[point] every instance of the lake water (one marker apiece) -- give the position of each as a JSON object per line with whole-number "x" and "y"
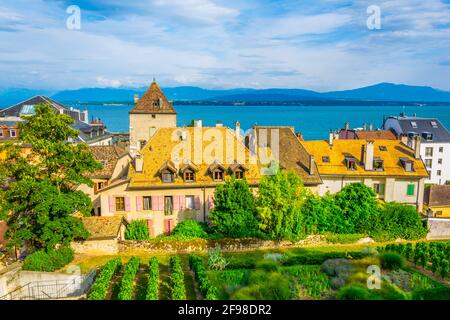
{"x": 314, "y": 122}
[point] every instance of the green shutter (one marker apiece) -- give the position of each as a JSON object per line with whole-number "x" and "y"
{"x": 410, "y": 191}
{"x": 381, "y": 191}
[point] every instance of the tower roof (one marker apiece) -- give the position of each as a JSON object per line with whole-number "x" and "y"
{"x": 153, "y": 101}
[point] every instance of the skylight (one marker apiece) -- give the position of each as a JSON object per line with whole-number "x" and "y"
{"x": 414, "y": 124}
{"x": 434, "y": 124}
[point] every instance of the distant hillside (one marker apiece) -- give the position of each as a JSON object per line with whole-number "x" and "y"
{"x": 379, "y": 92}
{"x": 392, "y": 92}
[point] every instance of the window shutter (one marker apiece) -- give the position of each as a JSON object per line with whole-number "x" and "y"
{"x": 381, "y": 189}
{"x": 127, "y": 204}
{"x": 167, "y": 226}
{"x": 411, "y": 189}
{"x": 160, "y": 203}
{"x": 139, "y": 201}
{"x": 197, "y": 203}
{"x": 150, "y": 227}
{"x": 211, "y": 202}
{"x": 176, "y": 203}
{"x": 111, "y": 204}
{"x": 155, "y": 206}
{"x": 182, "y": 202}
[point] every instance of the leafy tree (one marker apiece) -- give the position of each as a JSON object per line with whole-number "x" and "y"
{"x": 398, "y": 220}
{"x": 279, "y": 205}
{"x": 39, "y": 176}
{"x": 234, "y": 212}
{"x": 360, "y": 207}
{"x": 137, "y": 230}
{"x": 322, "y": 214}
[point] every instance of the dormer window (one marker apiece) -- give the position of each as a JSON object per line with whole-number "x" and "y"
{"x": 167, "y": 177}
{"x": 378, "y": 164}
{"x": 218, "y": 175}
{"x": 188, "y": 171}
{"x": 383, "y": 148}
{"x": 434, "y": 124}
{"x": 407, "y": 164}
{"x": 238, "y": 170}
{"x": 350, "y": 162}
{"x": 428, "y": 136}
{"x": 414, "y": 124}
{"x": 167, "y": 172}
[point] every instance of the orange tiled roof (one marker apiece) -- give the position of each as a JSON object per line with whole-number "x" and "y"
{"x": 336, "y": 155}
{"x": 158, "y": 152}
{"x": 153, "y": 101}
{"x": 376, "y": 135}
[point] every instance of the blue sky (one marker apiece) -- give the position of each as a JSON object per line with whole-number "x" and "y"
{"x": 321, "y": 45}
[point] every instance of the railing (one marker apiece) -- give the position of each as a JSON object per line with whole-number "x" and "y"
{"x": 52, "y": 289}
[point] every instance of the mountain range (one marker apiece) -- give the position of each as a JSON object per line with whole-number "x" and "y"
{"x": 377, "y": 92}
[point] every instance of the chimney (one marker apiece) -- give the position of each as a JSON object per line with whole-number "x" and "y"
{"x": 237, "y": 131}
{"x": 311, "y": 164}
{"x": 347, "y": 126}
{"x": 136, "y": 98}
{"x": 368, "y": 165}
{"x": 417, "y": 147}
{"x": 404, "y": 139}
{"x": 371, "y": 126}
{"x": 86, "y": 117}
{"x": 198, "y": 123}
{"x": 139, "y": 163}
{"x": 364, "y": 126}
{"x": 330, "y": 138}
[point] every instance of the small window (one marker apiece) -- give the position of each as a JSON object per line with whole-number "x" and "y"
{"x": 147, "y": 203}
{"x": 168, "y": 205}
{"x": 434, "y": 124}
{"x": 218, "y": 175}
{"x": 239, "y": 174}
{"x": 100, "y": 185}
{"x": 429, "y": 151}
{"x": 383, "y": 148}
{"x": 441, "y": 149}
{"x": 326, "y": 159}
{"x": 104, "y": 163}
{"x": 438, "y": 173}
{"x": 154, "y": 116}
{"x": 189, "y": 176}
{"x": 439, "y": 161}
{"x": 190, "y": 204}
{"x": 378, "y": 165}
{"x": 428, "y": 163}
{"x": 12, "y": 133}
{"x": 427, "y": 136}
{"x": 379, "y": 188}
{"x": 1, "y": 133}
{"x": 167, "y": 177}
{"x": 410, "y": 190}
{"x": 120, "y": 204}
{"x": 414, "y": 124}
{"x": 350, "y": 163}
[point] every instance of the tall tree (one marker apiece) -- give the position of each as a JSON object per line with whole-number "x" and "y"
{"x": 39, "y": 177}
{"x": 234, "y": 213}
{"x": 279, "y": 205}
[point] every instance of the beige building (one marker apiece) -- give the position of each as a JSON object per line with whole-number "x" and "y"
{"x": 175, "y": 175}
{"x": 393, "y": 170}
{"x": 151, "y": 112}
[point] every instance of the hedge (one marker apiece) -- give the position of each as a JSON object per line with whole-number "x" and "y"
{"x": 153, "y": 278}
{"x": 178, "y": 290}
{"x": 100, "y": 287}
{"x": 208, "y": 290}
{"x": 127, "y": 282}
{"x": 48, "y": 261}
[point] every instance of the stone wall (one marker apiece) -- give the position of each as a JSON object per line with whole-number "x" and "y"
{"x": 439, "y": 228}
{"x": 96, "y": 247}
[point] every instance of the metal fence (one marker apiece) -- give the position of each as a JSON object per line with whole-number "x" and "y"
{"x": 52, "y": 289}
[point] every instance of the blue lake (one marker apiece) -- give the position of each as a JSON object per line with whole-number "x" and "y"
{"x": 313, "y": 121}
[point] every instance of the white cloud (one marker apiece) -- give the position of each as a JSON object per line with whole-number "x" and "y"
{"x": 104, "y": 82}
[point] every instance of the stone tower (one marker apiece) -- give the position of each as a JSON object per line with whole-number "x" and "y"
{"x": 151, "y": 112}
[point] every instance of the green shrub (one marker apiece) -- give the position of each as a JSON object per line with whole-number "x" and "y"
{"x": 48, "y": 261}
{"x": 444, "y": 268}
{"x": 353, "y": 292}
{"x": 215, "y": 259}
{"x": 442, "y": 293}
{"x": 127, "y": 282}
{"x": 100, "y": 287}
{"x": 206, "y": 288}
{"x": 268, "y": 266}
{"x": 189, "y": 229}
{"x": 435, "y": 263}
{"x": 137, "y": 230}
{"x": 264, "y": 286}
{"x": 153, "y": 280}
{"x": 391, "y": 261}
{"x": 178, "y": 290}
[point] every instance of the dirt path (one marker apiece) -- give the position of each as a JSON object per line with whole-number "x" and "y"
{"x": 164, "y": 282}
{"x": 114, "y": 285}
{"x": 192, "y": 291}
{"x": 429, "y": 274}
{"x": 140, "y": 287}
